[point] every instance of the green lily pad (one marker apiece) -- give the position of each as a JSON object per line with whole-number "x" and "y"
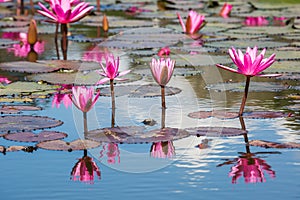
{"x": 215, "y": 131}
{"x": 277, "y": 145}
{"x": 14, "y": 109}
{"x": 60, "y": 145}
{"x": 45, "y": 66}
{"x": 33, "y": 137}
{"x": 7, "y": 42}
{"x": 254, "y": 87}
{"x": 20, "y": 123}
{"x": 135, "y": 134}
{"x": 284, "y": 67}
{"x": 26, "y": 89}
{"x": 243, "y": 44}
{"x": 78, "y": 78}
{"x": 139, "y": 91}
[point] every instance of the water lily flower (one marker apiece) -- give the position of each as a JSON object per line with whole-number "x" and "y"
{"x": 256, "y": 21}
{"x": 249, "y": 64}
{"x": 225, "y": 10}
{"x": 252, "y": 169}
{"x": 83, "y": 98}
{"x": 63, "y": 13}
{"x": 194, "y": 22}
{"x": 162, "y": 149}
{"x": 165, "y": 51}
{"x": 85, "y": 170}
{"x": 162, "y": 70}
{"x": 111, "y": 69}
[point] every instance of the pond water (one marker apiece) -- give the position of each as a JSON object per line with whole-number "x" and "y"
{"x": 188, "y": 166}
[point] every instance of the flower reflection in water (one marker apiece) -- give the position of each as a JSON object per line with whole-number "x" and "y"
{"x": 23, "y": 48}
{"x": 162, "y": 149}
{"x": 112, "y": 152}
{"x": 62, "y": 96}
{"x": 85, "y": 170}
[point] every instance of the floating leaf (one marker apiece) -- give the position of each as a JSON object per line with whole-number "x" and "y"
{"x": 32, "y": 137}
{"x": 78, "y": 78}
{"x": 20, "y": 123}
{"x": 284, "y": 67}
{"x": 5, "y": 24}
{"x": 254, "y": 86}
{"x": 27, "y": 88}
{"x": 215, "y": 131}
{"x": 268, "y": 144}
{"x": 135, "y": 134}
{"x": 216, "y": 113}
{"x": 264, "y": 114}
{"x": 6, "y": 42}
{"x": 44, "y": 66}
{"x": 60, "y": 145}
{"x": 243, "y": 44}
{"x": 14, "y": 109}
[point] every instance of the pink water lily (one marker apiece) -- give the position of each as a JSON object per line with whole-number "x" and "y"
{"x": 4, "y": 80}
{"x": 62, "y": 12}
{"x": 193, "y": 23}
{"x": 83, "y": 98}
{"x": 111, "y": 69}
{"x": 165, "y": 51}
{"x": 256, "y": 21}
{"x": 225, "y": 10}
{"x": 250, "y": 64}
{"x": 252, "y": 169}
{"x": 162, "y": 70}
{"x": 85, "y": 170}
{"x": 162, "y": 149}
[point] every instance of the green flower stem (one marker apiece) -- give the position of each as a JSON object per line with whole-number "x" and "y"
{"x": 64, "y": 40}
{"x": 113, "y": 103}
{"x": 245, "y": 96}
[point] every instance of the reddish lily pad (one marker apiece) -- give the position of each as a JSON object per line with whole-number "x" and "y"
{"x": 231, "y": 115}
{"x": 268, "y": 144}
{"x": 217, "y": 113}
{"x": 20, "y": 123}
{"x": 14, "y": 109}
{"x": 215, "y": 131}
{"x": 32, "y": 137}
{"x": 60, "y": 145}
{"x": 135, "y": 134}
{"x": 45, "y": 66}
{"x": 150, "y": 90}
{"x": 6, "y": 24}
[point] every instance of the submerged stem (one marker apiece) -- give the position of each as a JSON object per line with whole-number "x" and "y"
{"x": 245, "y": 95}
{"x": 113, "y": 103}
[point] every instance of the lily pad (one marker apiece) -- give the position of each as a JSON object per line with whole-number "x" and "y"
{"x": 243, "y": 44}
{"x": 277, "y": 145}
{"x": 26, "y": 88}
{"x": 18, "y": 123}
{"x": 78, "y": 78}
{"x": 44, "y": 66}
{"x": 14, "y": 109}
{"x": 6, "y": 24}
{"x": 254, "y": 87}
{"x": 60, "y": 145}
{"x": 135, "y": 134}
{"x": 150, "y": 90}
{"x": 216, "y": 113}
{"x": 215, "y": 131}
{"x": 284, "y": 67}
{"x": 6, "y": 42}
{"x": 32, "y": 137}
{"x": 264, "y": 114}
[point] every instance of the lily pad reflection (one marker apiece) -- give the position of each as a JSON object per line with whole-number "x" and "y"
{"x": 60, "y": 145}
{"x": 215, "y": 131}
{"x": 32, "y": 137}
